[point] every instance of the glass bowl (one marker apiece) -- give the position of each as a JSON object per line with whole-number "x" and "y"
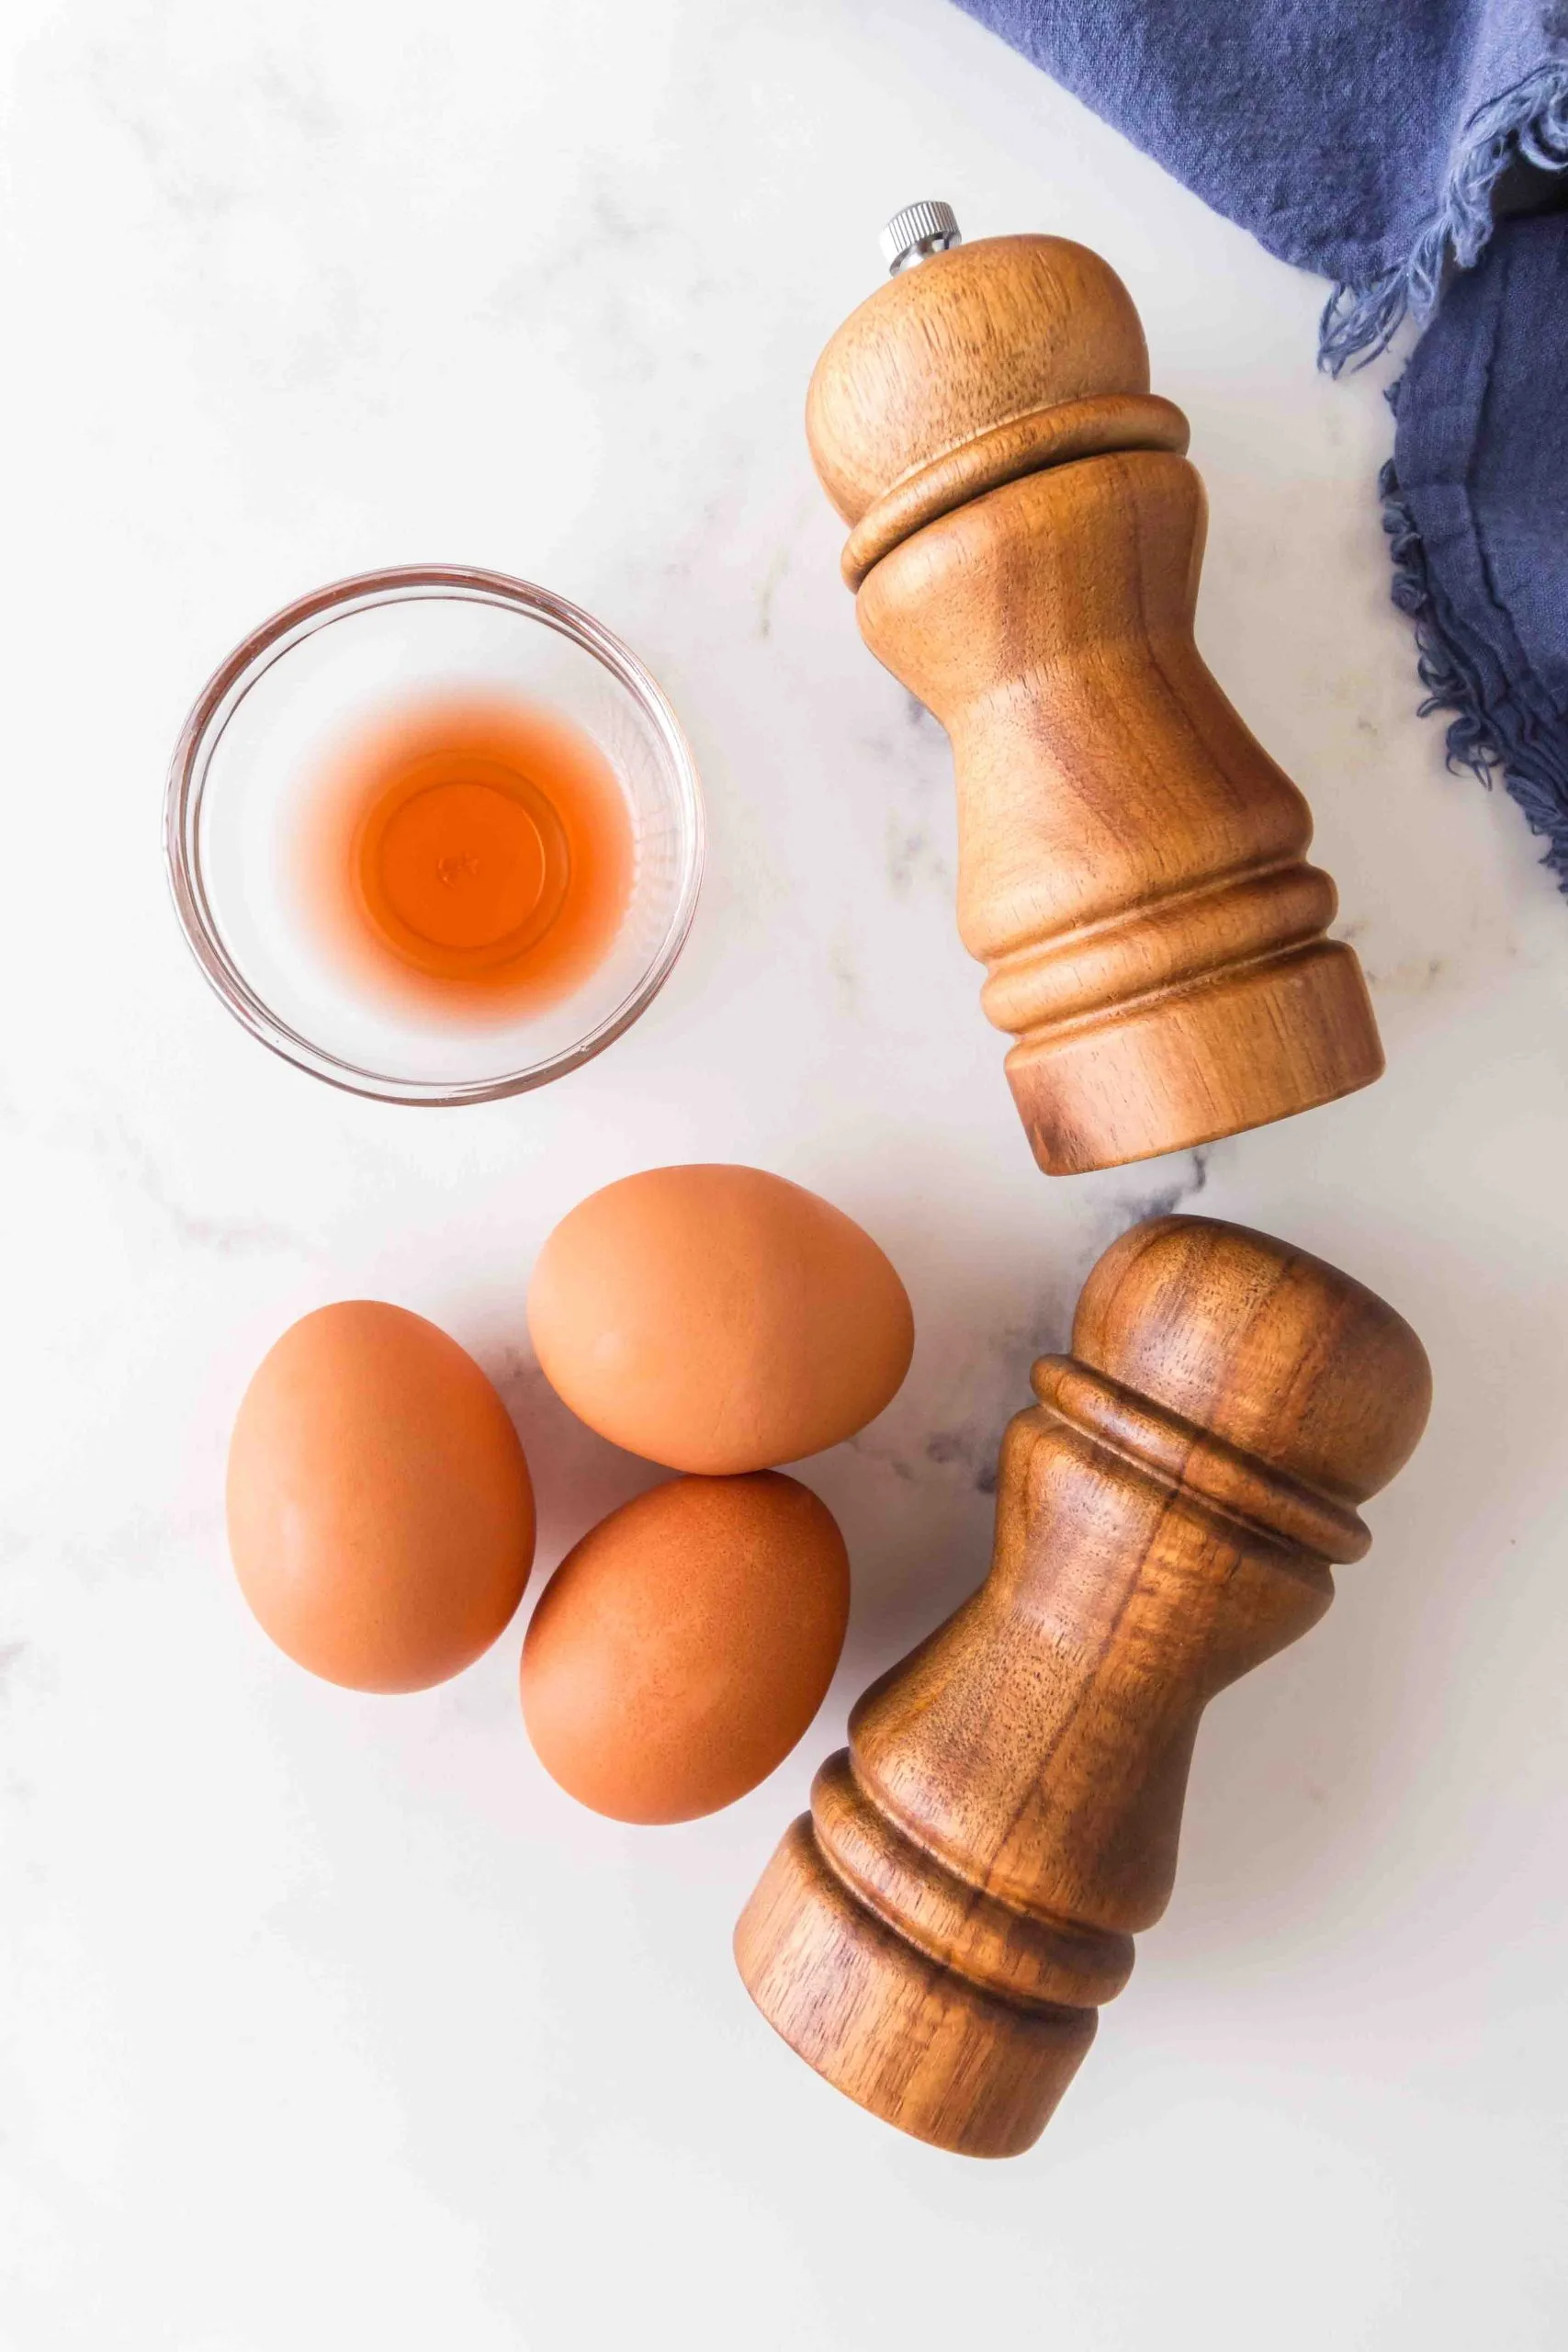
{"x": 238, "y": 797}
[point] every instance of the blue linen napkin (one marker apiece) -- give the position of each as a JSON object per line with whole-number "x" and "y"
{"x": 1393, "y": 145}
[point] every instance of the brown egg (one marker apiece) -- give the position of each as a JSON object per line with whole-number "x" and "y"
{"x": 718, "y": 1318}
{"x": 682, "y": 1648}
{"x": 380, "y": 1516}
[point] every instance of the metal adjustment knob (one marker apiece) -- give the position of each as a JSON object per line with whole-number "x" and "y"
{"x": 917, "y": 233}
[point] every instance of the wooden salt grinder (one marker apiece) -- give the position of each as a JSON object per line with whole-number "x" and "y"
{"x": 1026, "y": 542}
{"x": 936, "y": 1935}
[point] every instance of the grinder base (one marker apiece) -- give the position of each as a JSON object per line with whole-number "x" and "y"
{"x": 1251, "y": 1044}
{"x": 893, "y": 2030}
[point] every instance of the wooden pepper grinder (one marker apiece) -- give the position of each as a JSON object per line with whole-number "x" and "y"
{"x": 936, "y": 1935}
{"x": 1026, "y": 541}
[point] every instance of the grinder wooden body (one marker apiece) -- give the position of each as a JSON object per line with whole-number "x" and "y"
{"x": 936, "y": 1935}
{"x": 1026, "y": 548}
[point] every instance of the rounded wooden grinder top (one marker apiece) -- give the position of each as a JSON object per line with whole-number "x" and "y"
{"x": 1026, "y": 540}
{"x": 987, "y": 362}
{"x": 936, "y": 1935}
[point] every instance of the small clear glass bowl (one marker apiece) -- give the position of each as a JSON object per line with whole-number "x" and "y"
{"x": 238, "y": 790}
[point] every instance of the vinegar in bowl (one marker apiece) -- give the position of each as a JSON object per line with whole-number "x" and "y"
{"x": 469, "y": 854}
{"x": 434, "y": 835}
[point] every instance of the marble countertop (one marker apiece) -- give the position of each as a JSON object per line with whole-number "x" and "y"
{"x": 327, "y": 2021}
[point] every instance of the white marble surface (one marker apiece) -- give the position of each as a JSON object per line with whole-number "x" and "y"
{"x": 329, "y": 2023}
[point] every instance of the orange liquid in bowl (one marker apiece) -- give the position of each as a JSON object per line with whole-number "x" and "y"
{"x": 469, "y": 853}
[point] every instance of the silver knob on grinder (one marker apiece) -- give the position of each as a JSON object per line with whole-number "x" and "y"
{"x": 917, "y": 233}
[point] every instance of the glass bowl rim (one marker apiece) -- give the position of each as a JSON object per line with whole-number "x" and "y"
{"x": 250, "y": 661}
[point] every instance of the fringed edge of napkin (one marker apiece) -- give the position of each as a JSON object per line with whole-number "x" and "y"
{"x": 1527, "y": 123}
{"x": 1475, "y": 738}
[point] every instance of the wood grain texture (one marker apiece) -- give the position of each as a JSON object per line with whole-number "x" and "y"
{"x": 937, "y": 1934}
{"x": 1026, "y": 542}
{"x": 1024, "y": 445}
